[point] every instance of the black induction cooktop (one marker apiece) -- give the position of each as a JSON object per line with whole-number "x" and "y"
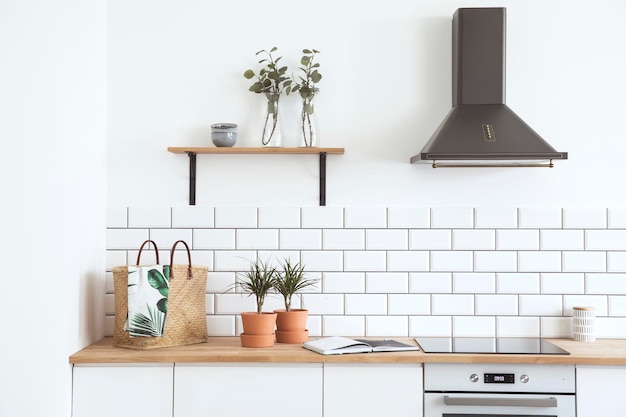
{"x": 504, "y": 345}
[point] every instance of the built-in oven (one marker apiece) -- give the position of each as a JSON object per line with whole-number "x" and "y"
{"x": 461, "y": 389}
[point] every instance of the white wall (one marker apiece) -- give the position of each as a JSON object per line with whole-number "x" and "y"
{"x": 52, "y": 183}
{"x": 176, "y": 67}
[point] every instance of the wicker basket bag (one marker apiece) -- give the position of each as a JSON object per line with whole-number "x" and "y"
{"x": 185, "y": 322}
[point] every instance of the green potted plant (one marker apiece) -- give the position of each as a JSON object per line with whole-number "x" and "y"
{"x": 306, "y": 86}
{"x": 258, "y": 326}
{"x": 290, "y": 322}
{"x": 272, "y": 82}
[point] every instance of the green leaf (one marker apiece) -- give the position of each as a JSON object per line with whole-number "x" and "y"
{"x": 248, "y": 74}
{"x": 305, "y": 60}
{"x": 306, "y": 51}
{"x": 162, "y": 305}
{"x": 274, "y": 49}
{"x": 164, "y": 291}
{"x": 156, "y": 279}
{"x": 316, "y": 76}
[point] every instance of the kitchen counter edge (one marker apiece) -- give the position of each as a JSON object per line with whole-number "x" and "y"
{"x": 229, "y": 350}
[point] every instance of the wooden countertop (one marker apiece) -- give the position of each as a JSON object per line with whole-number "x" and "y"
{"x": 229, "y": 349}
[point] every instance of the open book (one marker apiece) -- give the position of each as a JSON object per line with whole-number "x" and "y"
{"x": 336, "y": 345}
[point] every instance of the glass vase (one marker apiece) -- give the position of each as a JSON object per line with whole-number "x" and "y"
{"x": 272, "y": 136}
{"x": 308, "y": 130}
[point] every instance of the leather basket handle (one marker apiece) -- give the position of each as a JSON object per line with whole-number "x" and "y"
{"x": 141, "y": 248}
{"x": 189, "y": 272}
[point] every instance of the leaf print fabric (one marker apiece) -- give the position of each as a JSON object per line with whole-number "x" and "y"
{"x": 148, "y": 289}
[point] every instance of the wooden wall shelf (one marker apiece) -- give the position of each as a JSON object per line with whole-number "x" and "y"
{"x": 192, "y": 152}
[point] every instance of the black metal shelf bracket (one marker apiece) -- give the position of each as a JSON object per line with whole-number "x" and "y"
{"x": 192, "y": 178}
{"x": 322, "y": 178}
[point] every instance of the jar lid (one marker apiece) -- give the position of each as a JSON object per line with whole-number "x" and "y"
{"x": 584, "y": 308}
{"x": 224, "y": 126}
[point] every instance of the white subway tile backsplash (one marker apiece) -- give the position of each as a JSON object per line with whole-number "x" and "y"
{"x": 473, "y": 239}
{"x": 301, "y": 239}
{"x": 344, "y": 282}
{"x": 322, "y": 217}
{"x": 322, "y": 260}
{"x": 236, "y": 217}
{"x": 539, "y": 261}
{"x": 495, "y": 217}
{"x": 257, "y": 239}
{"x": 610, "y": 327}
{"x": 617, "y": 305}
{"x": 117, "y": 217}
{"x": 126, "y": 238}
{"x": 379, "y": 326}
{"x": 600, "y": 302}
{"x": 430, "y": 282}
{"x": 115, "y": 258}
{"x": 606, "y": 284}
{"x": 219, "y": 282}
{"x": 562, "y": 240}
{"x": 430, "y": 239}
{"x": 409, "y": 304}
{"x": 606, "y": 240}
{"x": 279, "y": 217}
{"x": 324, "y": 303}
{"x": 562, "y": 283}
{"x": 496, "y": 261}
{"x": 496, "y": 305}
{"x": 218, "y": 239}
{"x": 350, "y": 326}
{"x": 584, "y": 218}
{"x": 365, "y": 261}
{"x": 616, "y": 261}
{"x": 451, "y": 218}
{"x": 220, "y": 325}
{"x": 556, "y": 327}
{"x": 387, "y": 282}
{"x": 398, "y": 271}
{"x": 408, "y": 217}
{"x": 540, "y": 305}
{"x": 517, "y": 239}
{"x": 540, "y": 218}
{"x": 193, "y": 217}
{"x": 579, "y": 261}
{"x": 366, "y": 217}
{"x": 452, "y": 304}
{"x": 366, "y": 304}
{"x": 234, "y": 260}
{"x": 152, "y": 217}
{"x": 165, "y": 238}
{"x": 617, "y": 218}
{"x": 386, "y": 239}
{"x": 430, "y": 326}
{"x": 473, "y": 283}
{"x": 473, "y": 326}
{"x": 407, "y": 261}
{"x": 518, "y": 327}
{"x": 343, "y": 239}
{"x": 518, "y": 283}
{"x": 455, "y": 261}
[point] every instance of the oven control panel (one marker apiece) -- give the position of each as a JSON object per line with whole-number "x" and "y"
{"x": 493, "y": 377}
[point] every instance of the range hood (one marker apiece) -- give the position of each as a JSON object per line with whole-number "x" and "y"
{"x": 481, "y": 130}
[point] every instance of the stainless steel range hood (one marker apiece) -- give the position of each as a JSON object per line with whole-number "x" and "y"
{"x": 481, "y": 130}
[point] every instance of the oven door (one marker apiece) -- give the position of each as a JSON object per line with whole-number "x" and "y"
{"x": 498, "y": 405}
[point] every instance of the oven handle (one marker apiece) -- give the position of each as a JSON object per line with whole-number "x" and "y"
{"x": 501, "y": 402}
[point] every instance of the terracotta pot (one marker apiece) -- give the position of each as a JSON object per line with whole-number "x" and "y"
{"x": 299, "y": 336}
{"x": 257, "y": 340}
{"x": 255, "y": 323}
{"x": 292, "y": 320}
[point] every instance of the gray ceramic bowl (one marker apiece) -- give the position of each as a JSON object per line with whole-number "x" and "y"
{"x": 224, "y": 134}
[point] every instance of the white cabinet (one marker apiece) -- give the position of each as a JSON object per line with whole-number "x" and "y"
{"x": 122, "y": 391}
{"x": 373, "y": 390}
{"x": 600, "y": 391}
{"x": 248, "y": 389}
